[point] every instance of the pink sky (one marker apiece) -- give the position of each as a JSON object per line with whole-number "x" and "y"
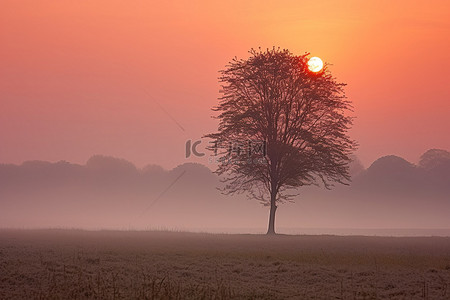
{"x": 85, "y": 77}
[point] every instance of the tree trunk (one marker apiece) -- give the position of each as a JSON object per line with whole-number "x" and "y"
{"x": 273, "y": 209}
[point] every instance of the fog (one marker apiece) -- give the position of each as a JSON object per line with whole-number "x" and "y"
{"x": 390, "y": 197}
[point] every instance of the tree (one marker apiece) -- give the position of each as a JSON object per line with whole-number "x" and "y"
{"x": 299, "y": 116}
{"x": 433, "y": 158}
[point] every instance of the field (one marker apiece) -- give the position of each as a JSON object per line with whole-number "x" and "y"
{"x": 75, "y": 264}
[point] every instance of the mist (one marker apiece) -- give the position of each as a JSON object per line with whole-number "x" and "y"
{"x": 389, "y": 197}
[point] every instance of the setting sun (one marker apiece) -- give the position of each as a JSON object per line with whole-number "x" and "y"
{"x": 315, "y": 64}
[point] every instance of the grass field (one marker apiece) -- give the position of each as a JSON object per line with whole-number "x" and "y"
{"x": 75, "y": 264}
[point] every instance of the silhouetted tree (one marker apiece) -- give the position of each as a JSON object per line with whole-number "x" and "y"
{"x": 299, "y": 117}
{"x": 433, "y": 158}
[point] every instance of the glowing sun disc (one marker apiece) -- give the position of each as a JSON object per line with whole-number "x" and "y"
{"x": 315, "y": 64}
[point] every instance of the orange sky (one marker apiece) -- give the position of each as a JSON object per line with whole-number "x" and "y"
{"x": 85, "y": 77}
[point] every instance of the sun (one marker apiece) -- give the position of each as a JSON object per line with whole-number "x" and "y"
{"x": 315, "y": 64}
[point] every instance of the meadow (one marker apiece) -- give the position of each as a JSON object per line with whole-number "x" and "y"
{"x": 77, "y": 264}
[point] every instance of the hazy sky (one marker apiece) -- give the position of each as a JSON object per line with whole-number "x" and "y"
{"x": 79, "y": 78}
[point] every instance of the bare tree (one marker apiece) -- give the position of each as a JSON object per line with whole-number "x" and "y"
{"x": 300, "y": 117}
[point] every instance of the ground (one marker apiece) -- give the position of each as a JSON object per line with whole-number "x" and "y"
{"x": 75, "y": 264}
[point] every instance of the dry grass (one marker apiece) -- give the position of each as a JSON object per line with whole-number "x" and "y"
{"x": 71, "y": 264}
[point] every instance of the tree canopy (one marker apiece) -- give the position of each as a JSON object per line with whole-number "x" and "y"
{"x": 300, "y": 118}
